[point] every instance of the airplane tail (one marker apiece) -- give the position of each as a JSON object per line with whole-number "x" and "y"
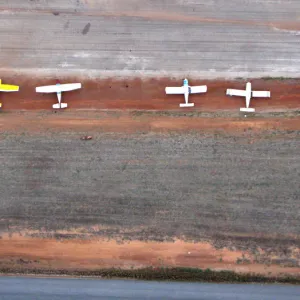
{"x": 62, "y": 105}
{"x": 245, "y": 109}
{"x": 186, "y": 104}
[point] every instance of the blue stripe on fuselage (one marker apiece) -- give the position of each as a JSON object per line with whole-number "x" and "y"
{"x": 58, "y": 92}
{"x": 186, "y": 84}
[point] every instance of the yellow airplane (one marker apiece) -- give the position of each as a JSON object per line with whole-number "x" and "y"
{"x": 8, "y": 88}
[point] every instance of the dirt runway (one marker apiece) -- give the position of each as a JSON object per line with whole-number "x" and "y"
{"x": 149, "y": 94}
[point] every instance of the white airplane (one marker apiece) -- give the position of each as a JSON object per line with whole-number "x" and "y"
{"x": 58, "y": 89}
{"x": 186, "y": 90}
{"x": 248, "y": 93}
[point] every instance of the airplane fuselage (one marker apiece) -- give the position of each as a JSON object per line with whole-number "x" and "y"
{"x": 59, "y": 96}
{"x": 248, "y": 93}
{"x": 187, "y": 90}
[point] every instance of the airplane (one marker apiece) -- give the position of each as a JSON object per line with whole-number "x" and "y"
{"x": 8, "y": 88}
{"x": 58, "y": 89}
{"x": 186, "y": 90}
{"x": 248, "y": 93}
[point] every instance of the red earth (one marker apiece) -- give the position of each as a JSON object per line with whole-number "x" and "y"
{"x": 22, "y": 253}
{"x": 93, "y": 122}
{"x": 149, "y": 94}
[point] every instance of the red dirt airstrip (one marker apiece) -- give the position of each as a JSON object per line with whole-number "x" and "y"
{"x": 149, "y": 94}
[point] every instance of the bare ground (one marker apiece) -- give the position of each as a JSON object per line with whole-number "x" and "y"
{"x": 149, "y": 94}
{"x": 156, "y": 185}
{"x": 23, "y": 253}
{"x": 201, "y": 188}
{"x": 137, "y": 122}
{"x": 161, "y": 185}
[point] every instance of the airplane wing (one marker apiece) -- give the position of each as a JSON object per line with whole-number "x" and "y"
{"x": 232, "y": 92}
{"x": 69, "y": 87}
{"x": 47, "y": 89}
{"x": 8, "y": 88}
{"x": 58, "y": 88}
{"x": 261, "y": 94}
{"x": 198, "y": 89}
{"x": 174, "y": 90}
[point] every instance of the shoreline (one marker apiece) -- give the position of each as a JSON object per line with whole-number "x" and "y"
{"x": 191, "y": 275}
